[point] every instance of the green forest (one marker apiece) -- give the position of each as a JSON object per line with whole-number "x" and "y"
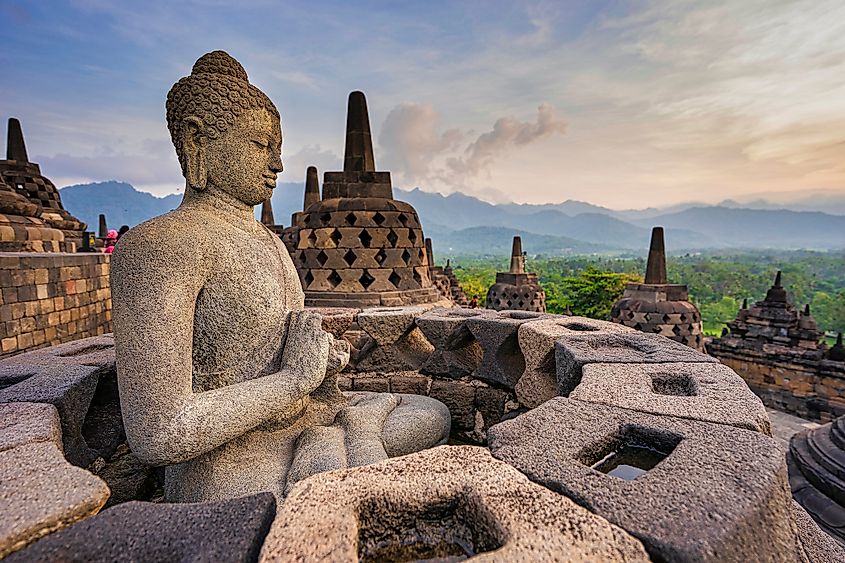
{"x": 718, "y": 282}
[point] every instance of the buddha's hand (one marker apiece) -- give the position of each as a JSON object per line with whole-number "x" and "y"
{"x": 338, "y": 356}
{"x": 307, "y": 350}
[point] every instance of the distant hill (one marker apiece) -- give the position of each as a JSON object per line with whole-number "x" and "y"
{"x": 121, "y": 203}
{"x": 470, "y": 226}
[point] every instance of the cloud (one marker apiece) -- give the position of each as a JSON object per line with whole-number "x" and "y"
{"x": 414, "y": 148}
{"x": 310, "y": 155}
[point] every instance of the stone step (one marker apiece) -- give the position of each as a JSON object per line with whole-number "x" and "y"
{"x": 826, "y": 452}
{"x": 829, "y": 515}
{"x": 837, "y": 432}
{"x": 815, "y": 473}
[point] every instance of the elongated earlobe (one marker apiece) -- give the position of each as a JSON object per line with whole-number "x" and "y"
{"x": 194, "y": 148}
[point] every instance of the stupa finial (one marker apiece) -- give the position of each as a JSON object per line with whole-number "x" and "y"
{"x": 312, "y": 188}
{"x": 15, "y": 145}
{"x": 655, "y": 271}
{"x": 359, "y": 142}
{"x": 267, "y": 213}
{"x": 517, "y": 259}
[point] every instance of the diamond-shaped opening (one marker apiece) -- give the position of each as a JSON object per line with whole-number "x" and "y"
{"x": 322, "y": 258}
{"x": 677, "y": 330}
{"x": 336, "y": 236}
{"x": 309, "y": 277}
{"x": 683, "y": 318}
{"x": 392, "y": 238}
{"x": 312, "y": 239}
{"x": 676, "y": 384}
{"x": 350, "y": 219}
{"x": 666, "y": 318}
{"x": 422, "y": 256}
{"x": 349, "y": 257}
{"x": 325, "y": 218}
{"x": 630, "y": 452}
{"x": 418, "y": 278}
{"x": 365, "y": 238}
{"x": 412, "y": 236}
{"x": 403, "y": 219}
{"x": 366, "y": 280}
{"x": 394, "y": 278}
{"x": 334, "y": 279}
{"x": 406, "y": 256}
{"x": 378, "y": 218}
{"x": 381, "y": 256}
{"x": 302, "y": 258}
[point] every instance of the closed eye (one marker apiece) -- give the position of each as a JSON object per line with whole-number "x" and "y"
{"x": 260, "y": 143}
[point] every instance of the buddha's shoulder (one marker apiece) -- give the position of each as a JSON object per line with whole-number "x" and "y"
{"x": 176, "y": 235}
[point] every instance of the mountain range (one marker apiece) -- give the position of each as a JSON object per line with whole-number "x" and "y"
{"x": 464, "y": 225}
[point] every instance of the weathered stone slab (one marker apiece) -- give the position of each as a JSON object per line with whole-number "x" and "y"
{"x": 65, "y": 376}
{"x": 572, "y": 352}
{"x": 538, "y": 382}
{"x": 40, "y": 493}
{"x": 396, "y": 343}
{"x": 818, "y": 546}
{"x": 28, "y": 423}
{"x": 701, "y": 391}
{"x": 450, "y": 501}
{"x": 719, "y": 495}
{"x": 231, "y": 530}
{"x": 456, "y": 351}
{"x": 502, "y": 362}
{"x": 336, "y": 320}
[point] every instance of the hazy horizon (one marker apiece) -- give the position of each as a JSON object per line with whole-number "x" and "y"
{"x": 623, "y": 104}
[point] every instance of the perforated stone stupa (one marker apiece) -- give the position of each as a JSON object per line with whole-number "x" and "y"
{"x": 357, "y": 246}
{"x": 658, "y": 306}
{"x": 47, "y": 225}
{"x": 516, "y": 290}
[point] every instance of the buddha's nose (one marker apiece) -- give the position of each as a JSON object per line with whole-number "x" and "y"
{"x": 276, "y": 164}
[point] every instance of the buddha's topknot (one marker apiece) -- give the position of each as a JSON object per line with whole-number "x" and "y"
{"x": 217, "y": 92}
{"x": 219, "y": 62}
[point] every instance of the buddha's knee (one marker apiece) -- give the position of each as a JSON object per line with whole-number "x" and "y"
{"x": 417, "y": 423}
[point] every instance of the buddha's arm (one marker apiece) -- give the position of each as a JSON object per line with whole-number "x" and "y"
{"x": 166, "y": 422}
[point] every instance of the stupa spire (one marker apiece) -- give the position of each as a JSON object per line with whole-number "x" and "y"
{"x": 359, "y": 142}
{"x": 777, "y": 279}
{"x": 103, "y": 230}
{"x": 655, "y": 271}
{"x": 267, "y": 213}
{"x": 15, "y": 146}
{"x": 517, "y": 259}
{"x": 429, "y": 251}
{"x": 312, "y": 188}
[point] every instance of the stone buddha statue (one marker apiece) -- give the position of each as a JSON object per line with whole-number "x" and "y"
{"x": 223, "y": 376}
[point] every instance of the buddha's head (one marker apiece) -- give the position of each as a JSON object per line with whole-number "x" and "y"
{"x": 227, "y": 132}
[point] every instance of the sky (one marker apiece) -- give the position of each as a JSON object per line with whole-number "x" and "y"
{"x": 621, "y": 103}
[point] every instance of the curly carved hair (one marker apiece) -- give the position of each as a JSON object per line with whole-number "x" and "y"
{"x": 217, "y": 91}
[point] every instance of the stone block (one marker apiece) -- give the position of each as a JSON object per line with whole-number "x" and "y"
{"x": 396, "y": 342}
{"x": 572, "y": 352}
{"x": 375, "y": 382}
{"x": 28, "y": 423}
{"x": 65, "y": 376}
{"x": 490, "y": 403}
{"x": 410, "y": 383}
{"x": 459, "y": 397}
{"x": 538, "y": 382}
{"x": 700, "y": 391}
{"x": 689, "y": 490}
{"x": 337, "y": 320}
{"x": 502, "y": 362}
{"x": 456, "y": 351}
{"x": 447, "y": 503}
{"x": 40, "y": 492}
{"x": 231, "y": 530}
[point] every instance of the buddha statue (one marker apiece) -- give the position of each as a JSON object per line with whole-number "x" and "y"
{"x": 224, "y": 377}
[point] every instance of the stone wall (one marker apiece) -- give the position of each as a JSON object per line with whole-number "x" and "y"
{"x": 51, "y": 298}
{"x": 810, "y": 388}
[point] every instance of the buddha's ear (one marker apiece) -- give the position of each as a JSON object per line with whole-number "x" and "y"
{"x": 193, "y": 147}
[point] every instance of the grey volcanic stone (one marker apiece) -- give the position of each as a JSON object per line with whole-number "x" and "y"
{"x": 40, "y": 492}
{"x": 231, "y": 530}
{"x": 503, "y": 362}
{"x": 720, "y": 495}
{"x": 818, "y": 546}
{"x": 701, "y": 391}
{"x": 28, "y": 423}
{"x": 439, "y": 503}
{"x": 572, "y": 352}
{"x": 396, "y": 342}
{"x": 538, "y": 382}
{"x": 65, "y": 376}
{"x": 456, "y": 351}
{"x": 336, "y": 320}
{"x": 222, "y": 373}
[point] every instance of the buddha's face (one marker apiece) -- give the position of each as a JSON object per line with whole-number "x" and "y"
{"x": 245, "y": 159}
